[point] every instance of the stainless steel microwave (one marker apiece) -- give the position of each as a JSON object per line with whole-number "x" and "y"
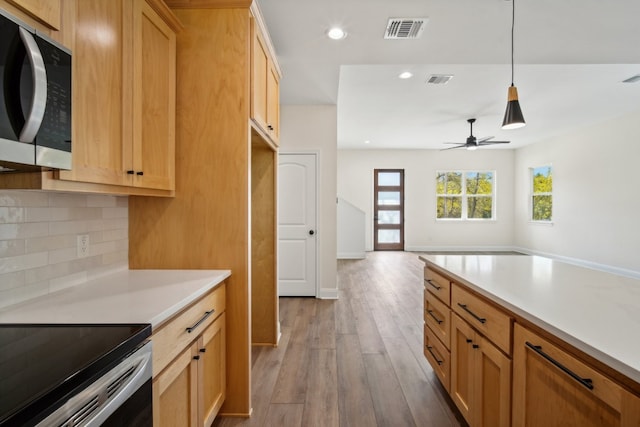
{"x": 35, "y": 100}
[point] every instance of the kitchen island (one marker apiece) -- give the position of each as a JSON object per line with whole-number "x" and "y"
{"x": 544, "y": 330}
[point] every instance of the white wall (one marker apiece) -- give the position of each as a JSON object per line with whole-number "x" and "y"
{"x": 596, "y": 195}
{"x": 313, "y": 128}
{"x": 422, "y": 231}
{"x": 351, "y": 231}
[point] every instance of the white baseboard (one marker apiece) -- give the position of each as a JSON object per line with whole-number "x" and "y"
{"x": 352, "y": 255}
{"x": 328, "y": 293}
{"x": 457, "y": 248}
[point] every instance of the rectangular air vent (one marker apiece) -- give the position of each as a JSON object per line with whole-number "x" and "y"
{"x": 439, "y": 79}
{"x": 405, "y": 28}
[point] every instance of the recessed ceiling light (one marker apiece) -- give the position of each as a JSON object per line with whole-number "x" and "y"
{"x": 405, "y": 75}
{"x": 367, "y": 142}
{"x": 336, "y": 33}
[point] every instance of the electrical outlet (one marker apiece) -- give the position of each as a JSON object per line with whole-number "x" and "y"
{"x": 83, "y": 245}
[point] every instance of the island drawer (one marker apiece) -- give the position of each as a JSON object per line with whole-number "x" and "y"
{"x": 487, "y": 319}
{"x": 438, "y": 356}
{"x": 437, "y": 316}
{"x": 438, "y": 285}
{"x": 176, "y": 334}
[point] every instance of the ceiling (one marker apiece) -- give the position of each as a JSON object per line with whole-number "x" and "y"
{"x": 570, "y": 59}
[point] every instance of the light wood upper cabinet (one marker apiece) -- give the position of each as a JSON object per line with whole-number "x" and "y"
{"x": 46, "y": 11}
{"x": 124, "y": 96}
{"x": 553, "y": 388}
{"x": 265, "y": 86}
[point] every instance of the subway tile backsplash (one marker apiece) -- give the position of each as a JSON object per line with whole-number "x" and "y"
{"x": 39, "y": 237}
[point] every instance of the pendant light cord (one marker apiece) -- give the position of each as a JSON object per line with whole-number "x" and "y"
{"x": 513, "y": 20}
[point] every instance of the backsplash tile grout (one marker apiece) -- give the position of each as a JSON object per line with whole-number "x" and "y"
{"x": 38, "y": 241}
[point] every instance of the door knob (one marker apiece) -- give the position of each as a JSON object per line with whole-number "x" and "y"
{"x": 311, "y": 232}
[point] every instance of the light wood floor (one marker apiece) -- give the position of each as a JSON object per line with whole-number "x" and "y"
{"x": 356, "y": 361}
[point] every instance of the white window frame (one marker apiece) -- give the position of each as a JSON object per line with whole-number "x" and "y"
{"x": 465, "y": 196}
{"x": 531, "y": 194}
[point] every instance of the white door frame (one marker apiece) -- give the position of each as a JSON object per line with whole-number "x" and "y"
{"x": 318, "y": 231}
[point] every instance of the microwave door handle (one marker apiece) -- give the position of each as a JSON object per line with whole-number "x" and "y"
{"x": 39, "y": 99}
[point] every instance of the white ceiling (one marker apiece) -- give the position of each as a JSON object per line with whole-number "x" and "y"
{"x": 570, "y": 56}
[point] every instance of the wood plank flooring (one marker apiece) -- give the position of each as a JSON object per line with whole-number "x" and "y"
{"x": 356, "y": 361}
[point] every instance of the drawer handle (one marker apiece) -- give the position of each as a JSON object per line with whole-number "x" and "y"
{"x": 202, "y": 319}
{"x": 434, "y": 317}
{"x": 475, "y": 316}
{"x": 433, "y": 284}
{"x": 438, "y": 361}
{"x": 587, "y": 382}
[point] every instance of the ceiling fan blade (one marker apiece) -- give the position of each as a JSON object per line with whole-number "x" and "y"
{"x": 486, "y": 138}
{"x": 457, "y": 146}
{"x": 493, "y": 142}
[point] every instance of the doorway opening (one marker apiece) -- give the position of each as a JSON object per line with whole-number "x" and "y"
{"x": 388, "y": 210}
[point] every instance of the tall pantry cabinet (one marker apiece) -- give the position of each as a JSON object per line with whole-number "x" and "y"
{"x": 223, "y": 213}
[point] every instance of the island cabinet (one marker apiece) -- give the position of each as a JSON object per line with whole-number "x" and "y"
{"x": 265, "y": 82}
{"x": 552, "y": 387}
{"x": 468, "y": 344}
{"x": 189, "y": 364}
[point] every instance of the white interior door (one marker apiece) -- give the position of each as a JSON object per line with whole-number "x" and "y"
{"x": 297, "y": 233}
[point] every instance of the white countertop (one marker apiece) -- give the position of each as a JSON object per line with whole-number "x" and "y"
{"x": 128, "y": 296}
{"x": 595, "y": 311}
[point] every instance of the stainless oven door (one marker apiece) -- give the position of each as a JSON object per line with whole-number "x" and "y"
{"x": 121, "y": 397}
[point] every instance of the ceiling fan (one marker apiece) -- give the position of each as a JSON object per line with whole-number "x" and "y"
{"x": 473, "y": 142}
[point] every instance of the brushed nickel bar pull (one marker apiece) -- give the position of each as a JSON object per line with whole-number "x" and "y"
{"x": 434, "y": 317}
{"x": 202, "y": 319}
{"x": 438, "y": 361}
{"x": 587, "y": 382}
{"x": 433, "y": 284}
{"x": 475, "y": 316}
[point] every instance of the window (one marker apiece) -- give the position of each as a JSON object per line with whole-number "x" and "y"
{"x": 541, "y": 193}
{"x": 465, "y": 195}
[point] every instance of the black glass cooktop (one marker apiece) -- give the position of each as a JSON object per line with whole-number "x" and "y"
{"x": 41, "y": 366}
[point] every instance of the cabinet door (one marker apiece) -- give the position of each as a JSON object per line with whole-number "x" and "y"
{"x": 259, "y": 70}
{"x": 45, "y": 11}
{"x": 175, "y": 390}
{"x": 212, "y": 368}
{"x": 154, "y": 74}
{"x": 493, "y": 387}
{"x": 98, "y": 149}
{"x": 553, "y": 388}
{"x": 273, "y": 103}
{"x": 462, "y": 365}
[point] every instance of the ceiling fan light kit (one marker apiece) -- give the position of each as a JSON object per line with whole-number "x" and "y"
{"x": 513, "y": 118}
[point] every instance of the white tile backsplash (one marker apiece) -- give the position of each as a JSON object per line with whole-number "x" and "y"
{"x": 38, "y": 238}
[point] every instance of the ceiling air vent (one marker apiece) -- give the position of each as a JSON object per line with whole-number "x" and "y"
{"x": 439, "y": 79}
{"x": 405, "y": 28}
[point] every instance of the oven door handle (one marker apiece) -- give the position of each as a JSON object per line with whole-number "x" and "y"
{"x": 33, "y": 121}
{"x": 95, "y": 404}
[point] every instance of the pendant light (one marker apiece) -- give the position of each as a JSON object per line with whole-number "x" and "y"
{"x": 513, "y": 118}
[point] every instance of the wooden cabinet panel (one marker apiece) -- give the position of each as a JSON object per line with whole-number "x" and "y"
{"x": 46, "y": 11}
{"x": 438, "y": 317}
{"x": 124, "y": 96}
{"x": 480, "y": 377}
{"x": 211, "y": 371}
{"x": 553, "y": 388}
{"x": 175, "y": 392}
{"x": 265, "y": 98}
{"x": 438, "y": 356}
{"x": 487, "y": 319}
{"x": 438, "y": 285}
